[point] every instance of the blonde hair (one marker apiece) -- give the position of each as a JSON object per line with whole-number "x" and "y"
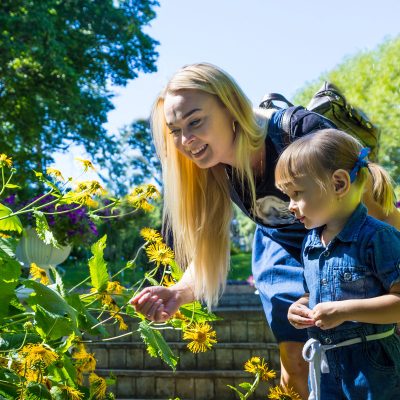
{"x": 319, "y": 154}
{"x": 197, "y": 204}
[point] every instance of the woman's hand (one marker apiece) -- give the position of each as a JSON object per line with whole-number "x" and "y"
{"x": 299, "y": 315}
{"x": 157, "y": 303}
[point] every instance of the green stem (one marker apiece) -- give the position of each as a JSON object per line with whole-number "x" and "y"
{"x": 253, "y": 387}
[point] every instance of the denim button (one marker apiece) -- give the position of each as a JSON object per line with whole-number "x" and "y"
{"x": 324, "y": 282}
{"x": 326, "y": 254}
{"x": 327, "y": 340}
{"x": 347, "y": 276}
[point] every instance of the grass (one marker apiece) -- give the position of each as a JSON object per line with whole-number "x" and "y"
{"x": 240, "y": 267}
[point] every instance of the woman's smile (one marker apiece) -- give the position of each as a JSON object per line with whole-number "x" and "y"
{"x": 201, "y": 127}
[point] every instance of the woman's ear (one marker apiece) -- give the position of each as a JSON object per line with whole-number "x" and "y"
{"x": 341, "y": 182}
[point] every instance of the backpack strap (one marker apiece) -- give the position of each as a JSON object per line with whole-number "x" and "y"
{"x": 268, "y": 99}
{"x": 287, "y": 124}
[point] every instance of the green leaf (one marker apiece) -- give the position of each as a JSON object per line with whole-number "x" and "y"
{"x": 37, "y": 391}
{"x": 9, "y": 382}
{"x": 63, "y": 370}
{"x": 85, "y": 319}
{"x": 239, "y": 393}
{"x": 10, "y": 271}
{"x": 8, "y": 246}
{"x": 98, "y": 266}
{"x": 12, "y": 223}
{"x": 156, "y": 344}
{"x": 245, "y": 385}
{"x": 176, "y": 270}
{"x": 14, "y": 341}
{"x": 197, "y": 312}
{"x": 43, "y": 230}
{"x": 12, "y": 186}
{"x": 52, "y": 326}
{"x": 51, "y": 301}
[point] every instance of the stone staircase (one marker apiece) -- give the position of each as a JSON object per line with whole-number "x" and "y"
{"x": 242, "y": 333}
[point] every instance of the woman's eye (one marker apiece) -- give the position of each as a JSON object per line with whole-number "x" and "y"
{"x": 195, "y": 122}
{"x": 175, "y": 132}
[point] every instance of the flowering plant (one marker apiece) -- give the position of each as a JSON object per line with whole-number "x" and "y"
{"x": 44, "y": 335}
{"x": 70, "y": 224}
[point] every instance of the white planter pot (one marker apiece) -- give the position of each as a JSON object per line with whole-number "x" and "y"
{"x": 31, "y": 249}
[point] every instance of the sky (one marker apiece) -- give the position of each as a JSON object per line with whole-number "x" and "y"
{"x": 265, "y": 45}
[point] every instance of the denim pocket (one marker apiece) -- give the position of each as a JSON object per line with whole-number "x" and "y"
{"x": 350, "y": 283}
{"x": 380, "y": 354}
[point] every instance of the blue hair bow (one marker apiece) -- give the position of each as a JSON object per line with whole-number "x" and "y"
{"x": 361, "y": 162}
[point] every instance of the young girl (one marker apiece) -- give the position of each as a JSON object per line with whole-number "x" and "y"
{"x": 351, "y": 268}
{"x": 215, "y": 148}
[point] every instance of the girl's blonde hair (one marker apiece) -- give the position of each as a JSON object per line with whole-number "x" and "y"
{"x": 319, "y": 154}
{"x": 197, "y": 205}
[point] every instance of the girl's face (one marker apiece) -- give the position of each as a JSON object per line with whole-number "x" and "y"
{"x": 312, "y": 205}
{"x": 202, "y": 128}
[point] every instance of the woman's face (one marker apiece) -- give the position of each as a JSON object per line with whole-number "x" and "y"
{"x": 202, "y": 128}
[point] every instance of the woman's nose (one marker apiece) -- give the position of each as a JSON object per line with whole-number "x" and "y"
{"x": 187, "y": 138}
{"x": 292, "y": 206}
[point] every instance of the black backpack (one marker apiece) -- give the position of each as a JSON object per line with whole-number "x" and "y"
{"x": 331, "y": 103}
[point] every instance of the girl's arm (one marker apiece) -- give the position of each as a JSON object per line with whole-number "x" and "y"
{"x": 384, "y": 309}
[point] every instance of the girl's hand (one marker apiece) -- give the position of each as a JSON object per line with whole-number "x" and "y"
{"x": 157, "y": 303}
{"x": 328, "y": 315}
{"x": 300, "y": 316}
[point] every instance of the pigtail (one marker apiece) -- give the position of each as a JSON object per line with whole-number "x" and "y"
{"x": 382, "y": 187}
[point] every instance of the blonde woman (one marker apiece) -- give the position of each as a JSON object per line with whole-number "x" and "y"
{"x": 351, "y": 268}
{"x": 214, "y": 148}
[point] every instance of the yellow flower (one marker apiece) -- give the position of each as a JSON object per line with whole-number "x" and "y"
{"x": 160, "y": 253}
{"x": 92, "y": 187}
{"x": 31, "y": 354}
{"x": 55, "y": 172}
{"x": 71, "y": 393}
{"x": 150, "y": 235}
{"x": 115, "y": 288}
{"x": 39, "y": 273}
{"x": 140, "y": 196}
{"x": 122, "y": 325}
{"x": 85, "y": 361}
{"x": 202, "y": 337}
{"x": 98, "y": 387}
{"x": 168, "y": 280}
{"x": 5, "y": 161}
{"x": 257, "y": 366}
{"x": 86, "y": 164}
{"x": 279, "y": 393}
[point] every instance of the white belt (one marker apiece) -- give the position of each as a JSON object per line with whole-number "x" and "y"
{"x": 314, "y": 353}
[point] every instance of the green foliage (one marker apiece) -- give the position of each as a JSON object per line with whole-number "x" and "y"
{"x": 97, "y": 265}
{"x": 57, "y": 60}
{"x": 156, "y": 344}
{"x": 137, "y": 162}
{"x": 43, "y": 327}
{"x": 371, "y": 81}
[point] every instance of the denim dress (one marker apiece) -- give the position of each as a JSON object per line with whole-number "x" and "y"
{"x": 362, "y": 261}
{"x": 276, "y": 260}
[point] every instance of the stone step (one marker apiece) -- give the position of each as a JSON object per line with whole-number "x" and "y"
{"x": 189, "y": 384}
{"x": 245, "y": 325}
{"x": 222, "y": 356}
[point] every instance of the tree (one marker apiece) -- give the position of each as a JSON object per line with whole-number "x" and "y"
{"x": 136, "y": 159}
{"x": 371, "y": 80}
{"x": 57, "y": 59}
